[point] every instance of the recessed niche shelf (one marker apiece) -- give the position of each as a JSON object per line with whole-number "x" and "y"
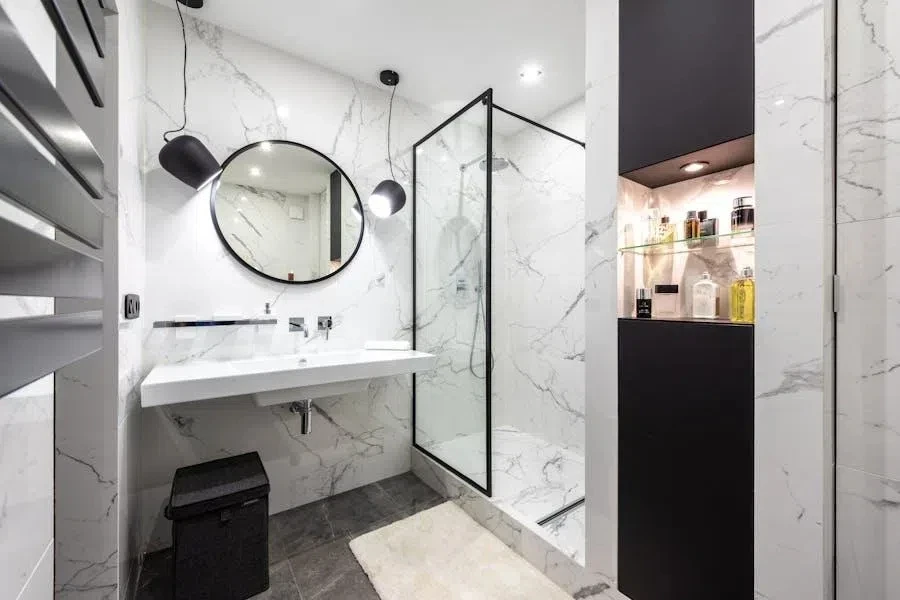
{"x": 724, "y": 241}
{"x": 689, "y": 320}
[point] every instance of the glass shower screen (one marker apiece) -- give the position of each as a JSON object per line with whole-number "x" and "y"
{"x": 451, "y": 232}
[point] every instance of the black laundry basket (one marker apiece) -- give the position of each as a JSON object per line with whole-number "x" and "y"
{"x": 220, "y": 529}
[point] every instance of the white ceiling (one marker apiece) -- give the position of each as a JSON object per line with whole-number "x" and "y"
{"x": 446, "y": 51}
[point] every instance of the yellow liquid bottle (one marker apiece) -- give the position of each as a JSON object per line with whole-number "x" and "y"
{"x": 743, "y": 297}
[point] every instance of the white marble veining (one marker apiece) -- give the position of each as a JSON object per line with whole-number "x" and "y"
{"x": 568, "y": 531}
{"x": 537, "y": 545}
{"x": 262, "y": 93}
{"x": 868, "y": 535}
{"x": 531, "y": 476}
{"x": 868, "y": 419}
{"x": 538, "y": 316}
{"x": 601, "y": 278}
{"x": 793, "y": 339}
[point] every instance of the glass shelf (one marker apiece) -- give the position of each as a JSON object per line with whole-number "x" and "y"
{"x": 711, "y": 242}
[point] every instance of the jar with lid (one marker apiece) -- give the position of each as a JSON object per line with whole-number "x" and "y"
{"x": 743, "y": 215}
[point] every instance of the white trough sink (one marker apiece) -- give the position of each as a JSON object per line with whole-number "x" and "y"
{"x": 279, "y": 379}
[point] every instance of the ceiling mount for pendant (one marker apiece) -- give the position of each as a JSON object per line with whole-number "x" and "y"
{"x": 192, "y": 3}
{"x": 389, "y": 77}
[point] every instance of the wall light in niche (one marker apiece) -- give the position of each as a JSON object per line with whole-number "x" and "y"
{"x": 255, "y": 171}
{"x": 721, "y": 182}
{"x": 694, "y": 167}
{"x": 185, "y": 157}
{"x": 266, "y": 146}
{"x": 531, "y": 74}
{"x": 388, "y": 197}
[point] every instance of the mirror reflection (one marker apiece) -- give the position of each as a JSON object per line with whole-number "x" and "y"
{"x": 287, "y": 212}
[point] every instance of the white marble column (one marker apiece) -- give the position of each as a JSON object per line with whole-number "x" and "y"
{"x": 868, "y": 348}
{"x": 601, "y": 359}
{"x": 794, "y": 241}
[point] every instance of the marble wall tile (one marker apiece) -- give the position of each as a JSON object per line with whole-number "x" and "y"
{"x": 868, "y": 124}
{"x": 869, "y": 351}
{"x": 868, "y": 539}
{"x": 793, "y": 342}
{"x": 539, "y": 282}
{"x": 601, "y": 278}
{"x": 868, "y": 535}
{"x": 26, "y": 487}
{"x": 261, "y": 93}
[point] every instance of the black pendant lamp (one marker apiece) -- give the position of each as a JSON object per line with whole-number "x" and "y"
{"x": 185, "y": 157}
{"x": 388, "y": 197}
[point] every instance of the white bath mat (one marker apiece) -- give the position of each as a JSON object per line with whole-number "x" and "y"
{"x": 442, "y": 554}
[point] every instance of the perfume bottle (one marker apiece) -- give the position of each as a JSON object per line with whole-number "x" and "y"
{"x": 666, "y": 301}
{"x": 643, "y": 303}
{"x": 666, "y": 231}
{"x": 651, "y": 226}
{"x": 708, "y": 227}
{"x": 691, "y": 225}
{"x": 743, "y": 297}
{"x": 743, "y": 215}
{"x": 706, "y": 298}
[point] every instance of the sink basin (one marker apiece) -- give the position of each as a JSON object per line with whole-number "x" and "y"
{"x": 279, "y": 379}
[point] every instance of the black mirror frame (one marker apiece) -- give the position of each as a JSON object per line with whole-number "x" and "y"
{"x": 212, "y": 209}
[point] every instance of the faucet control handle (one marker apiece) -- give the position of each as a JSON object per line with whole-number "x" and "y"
{"x": 298, "y": 324}
{"x": 325, "y": 324}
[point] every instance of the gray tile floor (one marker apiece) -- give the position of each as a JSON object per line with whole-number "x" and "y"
{"x": 309, "y": 555}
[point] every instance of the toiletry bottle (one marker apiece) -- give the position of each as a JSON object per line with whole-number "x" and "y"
{"x": 691, "y": 227}
{"x": 743, "y": 215}
{"x": 708, "y": 227}
{"x": 706, "y": 298}
{"x": 651, "y": 226}
{"x": 665, "y": 300}
{"x": 743, "y": 297}
{"x": 666, "y": 231}
{"x": 643, "y": 304}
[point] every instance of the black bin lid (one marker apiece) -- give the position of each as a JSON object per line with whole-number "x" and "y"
{"x": 217, "y": 484}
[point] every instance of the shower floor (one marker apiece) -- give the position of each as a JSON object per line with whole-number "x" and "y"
{"x": 532, "y": 479}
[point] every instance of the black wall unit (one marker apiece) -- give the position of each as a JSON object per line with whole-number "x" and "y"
{"x": 685, "y": 460}
{"x": 685, "y": 77}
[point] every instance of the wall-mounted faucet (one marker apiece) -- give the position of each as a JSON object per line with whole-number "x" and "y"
{"x": 325, "y": 324}
{"x": 299, "y": 324}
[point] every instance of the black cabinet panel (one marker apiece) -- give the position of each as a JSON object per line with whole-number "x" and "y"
{"x": 685, "y": 77}
{"x": 685, "y": 460}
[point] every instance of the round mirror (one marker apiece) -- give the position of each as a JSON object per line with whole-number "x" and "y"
{"x": 287, "y": 212}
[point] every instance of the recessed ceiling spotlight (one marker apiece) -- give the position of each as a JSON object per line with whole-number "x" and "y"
{"x": 255, "y": 171}
{"x": 531, "y": 74}
{"x": 721, "y": 182}
{"x": 694, "y": 167}
{"x": 266, "y": 146}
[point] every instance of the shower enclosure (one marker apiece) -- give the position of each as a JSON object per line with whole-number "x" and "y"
{"x": 498, "y": 237}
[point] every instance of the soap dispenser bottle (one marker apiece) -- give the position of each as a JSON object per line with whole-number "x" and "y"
{"x": 743, "y": 297}
{"x": 706, "y": 298}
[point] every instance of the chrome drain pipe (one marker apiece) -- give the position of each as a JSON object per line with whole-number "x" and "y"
{"x": 304, "y": 409}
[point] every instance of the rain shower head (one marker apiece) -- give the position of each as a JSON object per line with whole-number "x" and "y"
{"x": 497, "y": 164}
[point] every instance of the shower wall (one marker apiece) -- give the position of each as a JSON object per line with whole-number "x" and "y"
{"x": 538, "y": 257}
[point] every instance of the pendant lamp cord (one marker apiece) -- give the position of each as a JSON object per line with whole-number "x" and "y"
{"x": 183, "y": 75}
{"x": 390, "y": 114}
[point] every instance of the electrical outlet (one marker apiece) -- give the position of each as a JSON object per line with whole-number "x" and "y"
{"x": 132, "y": 306}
